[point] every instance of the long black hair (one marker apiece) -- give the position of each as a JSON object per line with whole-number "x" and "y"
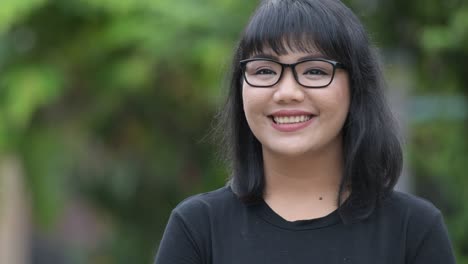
{"x": 371, "y": 146}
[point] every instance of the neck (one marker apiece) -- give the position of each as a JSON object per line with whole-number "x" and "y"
{"x": 306, "y": 177}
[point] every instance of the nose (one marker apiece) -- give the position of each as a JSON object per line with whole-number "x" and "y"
{"x": 287, "y": 90}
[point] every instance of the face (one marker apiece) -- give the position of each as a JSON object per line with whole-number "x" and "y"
{"x": 289, "y": 119}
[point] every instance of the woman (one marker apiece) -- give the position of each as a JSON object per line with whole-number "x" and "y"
{"x": 314, "y": 155}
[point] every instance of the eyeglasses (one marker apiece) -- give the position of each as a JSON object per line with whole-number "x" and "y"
{"x": 311, "y": 73}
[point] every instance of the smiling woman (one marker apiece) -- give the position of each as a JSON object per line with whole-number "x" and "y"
{"x": 314, "y": 155}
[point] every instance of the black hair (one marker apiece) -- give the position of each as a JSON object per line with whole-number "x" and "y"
{"x": 371, "y": 146}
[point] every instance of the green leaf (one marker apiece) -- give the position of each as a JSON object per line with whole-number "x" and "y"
{"x": 27, "y": 89}
{"x": 13, "y": 11}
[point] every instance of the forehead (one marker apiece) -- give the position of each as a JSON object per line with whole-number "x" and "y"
{"x": 284, "y": 46}
{"x": 288, "y": 55}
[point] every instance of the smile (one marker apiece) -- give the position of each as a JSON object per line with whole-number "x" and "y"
{"x": 291, "y": 123}
{"x": 291, "y": 119}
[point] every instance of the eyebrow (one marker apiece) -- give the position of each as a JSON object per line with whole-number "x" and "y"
{"x": 273, "y": 57}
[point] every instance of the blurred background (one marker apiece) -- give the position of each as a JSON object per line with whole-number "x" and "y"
{"x": 105, "y": 108}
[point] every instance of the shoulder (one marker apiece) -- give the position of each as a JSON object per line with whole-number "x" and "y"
{"x": 410, "y": 204}
{"x": 405, "y": 214}
{"x": 188, "y": 234}
{"x": 408, "y": 211}
{"x": 422, "y": 226}
{"x": 208, "y": 204}
{"x": 410, "y": 207}
{"x": 419, "y": 219}
{"x": 204, "y": 214}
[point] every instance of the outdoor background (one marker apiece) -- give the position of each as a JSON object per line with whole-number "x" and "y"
{"x": 105, "y": 106}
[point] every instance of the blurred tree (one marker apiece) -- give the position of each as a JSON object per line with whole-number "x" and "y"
{"x": 433, "y": 34}
{"x": 109, "y": 100}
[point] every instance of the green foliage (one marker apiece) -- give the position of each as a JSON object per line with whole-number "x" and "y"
{"x": 441, "y": 174}
{"x": 452, "y": 36}
{"x": 109, "y": 100}
{"x": 434, "y": 34}
{"x": 13, "y": 11}
{"x": 47, "y": 165}
{"x": 24, "y": 89}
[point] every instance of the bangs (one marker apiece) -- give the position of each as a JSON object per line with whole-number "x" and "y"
{"x": 297, "y": 26}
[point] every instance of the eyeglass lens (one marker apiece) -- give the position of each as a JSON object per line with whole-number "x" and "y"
{"x": 308, "y": 73}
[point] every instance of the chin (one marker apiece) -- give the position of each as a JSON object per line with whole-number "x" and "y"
{"x": 288, "y": 151}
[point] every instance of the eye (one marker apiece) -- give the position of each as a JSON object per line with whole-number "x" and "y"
{"x": 315, "y": 72}
{"x": 265, "y": 72}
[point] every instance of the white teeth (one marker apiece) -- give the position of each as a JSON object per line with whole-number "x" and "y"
{"x": 291, "y": 119}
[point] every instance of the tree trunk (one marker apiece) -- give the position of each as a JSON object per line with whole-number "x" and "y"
{"x": 14, "y": 213}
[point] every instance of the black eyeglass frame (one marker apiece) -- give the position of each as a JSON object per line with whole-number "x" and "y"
{"x": 335, "y": 65}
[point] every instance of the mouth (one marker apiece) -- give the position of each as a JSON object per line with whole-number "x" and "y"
{"x": 291, "y": 120}
{"x": 283, "y": 120}
{"x": 291, "y": 123}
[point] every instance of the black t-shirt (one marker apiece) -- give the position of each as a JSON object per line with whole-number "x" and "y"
{"x": 217, "y": 228}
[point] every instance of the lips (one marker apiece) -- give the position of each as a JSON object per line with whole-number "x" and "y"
{"x": 291, "y": 120}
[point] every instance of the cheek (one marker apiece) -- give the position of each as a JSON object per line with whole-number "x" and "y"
{"x": 342, "y": 100}
{"x": 334, "y": 102}
{"x": 246, "y": 101}
{"x": 245, "y": 98}
{"x": 344, "y": 92}
{"x": 249, "y": 104}
{"x": 339, "y": 96}
{"x": 253, "y": 101}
